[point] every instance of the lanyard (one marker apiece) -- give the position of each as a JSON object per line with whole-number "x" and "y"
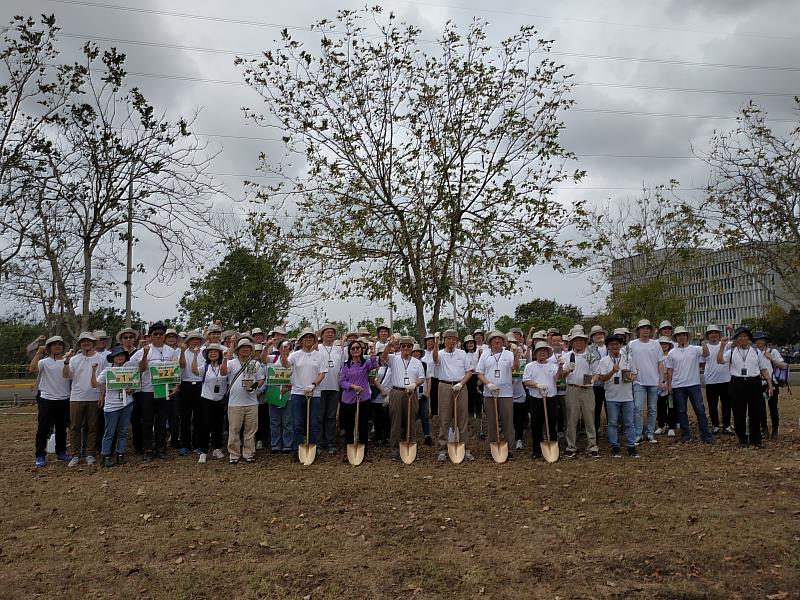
{"x": 743, "y": 357}
{"x": 328, "y": 351}
{"x": 497, "y": 359}
{"x": 214, "y": 371}
{"x": 616, "y": 360}
{"x": 405, "y": 365}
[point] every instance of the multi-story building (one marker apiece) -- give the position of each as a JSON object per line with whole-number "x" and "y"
{"x": 719, "y": 285}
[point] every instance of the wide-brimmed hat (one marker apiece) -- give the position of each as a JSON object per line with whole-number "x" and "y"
{"x": 245, "y": 342}
{"x": 450, "y": 333}
{"x": 182, "y": 335}
{"x": 644, "y": 323}
{"x": 578, "y": 332}
{"x": 307, "y": 331}
{"x": 469, "y": 338}
{"x": 622, "y": 331}
{"x": 516, "y": 331}
{"x": 711, "y": 328}
{"x": 328, "y": 326}
{"x": 495, "y": 334}
{"x": 214, "y": 329}
{"x": 227, "y": 333}
{"x": 258, "y": 347}
{"x": 218, "y": 347}
{"x": 194, "y": 334}
{"x": 664, "y": 324}
{"x": 100, "y": 333}
{"x": 364, "y": 342}
{"x": 121, "y": 332}
{"x": 553, "y": 331}
{"x": 428, "y": 336}
{"x": 116, "y": 352}
{"x": 615, "y": 337}
{"x": 170, "y": 331}
{"x": 539, "y": 335}
{"x": 407, "y": 339}
{"x": 666, "y": 340}
{"x": 386, "y": 327}
{"x": 543, "y": 346}
{"x": 257, "y": 330}
{"x": 479, "y": 330}
{"x": 52, "y": 340}
{"x": 760, "y": 335}
{"x": 742, "y": 329}
{"x": 280, "y": 330}
{"x": 597, "y": 329}
{"x": 363, "y": 331}
{"x": 157, "y": 326}
{"x": 86, "y": 335}
{"x": 417, "y": 348}
{"x": 679, "y": 330}
{"x": 351, "y": 333}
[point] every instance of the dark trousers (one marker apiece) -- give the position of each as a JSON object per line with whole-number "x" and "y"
{"x": 520, "y": 418}
{"x": 666, "y": 413}
{"x": 155, "y": 412}
{"x": 561, "y": 405}
{"x": 263, "y": 434}
{"x": 52, "y": 413}
{"x": 537, "y": 420}
{"x": 717, "y": 394}
{"x": 474, "y": 397}
{"x": 380, "y": 418}
{"x": 101, "y": 426}
{"x": 772, "y": 403}
{"x": 599, "y": 400}
{"x": 136, "y": 423}
{"x": 434, "y": 396}
{"x": 189, "y": 405}
{"x": 173, "y": 421}
{"x": 210, "y": 423}
{"x": 746, "y": 398}
{"x": 328, "y": 403}
{"x": 347, "y": 419}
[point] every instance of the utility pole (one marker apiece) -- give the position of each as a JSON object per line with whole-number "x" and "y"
{"x": 129, "y": 262}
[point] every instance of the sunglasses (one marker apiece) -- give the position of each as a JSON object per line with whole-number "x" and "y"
{"x": 406, "y": 346}
{"x": 129, "y": 337}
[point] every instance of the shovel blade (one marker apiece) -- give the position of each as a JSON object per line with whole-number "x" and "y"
{"x": 408, "y": 452}
{"x": 456, "y": 451}
{"x": 549, "y": 451}
{"x": 499, "y": 451}
{"x": 307, "y": 453}
{"x": 355, "y": 454}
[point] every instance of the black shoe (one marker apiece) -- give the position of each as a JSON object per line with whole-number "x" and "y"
{"x": 536, "y": 455}
{"x": 633, "y": 452}
{"x": 570, "y": 453}
{"x": 758, "y": 446}
{"x": 107, "y": 462}
{"x": 743, "y": 446}
{"x": 594, "y": 454}
{"x": 121, "y": 459}
{"x": 162, "y": 454}
{"x": 148, "y": 456}
{"x": 482, "y": 436}
{"x": 428, "y": 440}
{"x": 774, "y": 435}
{"x": 615, "y": 453}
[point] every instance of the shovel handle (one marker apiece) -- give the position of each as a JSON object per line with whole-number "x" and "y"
{"x": 546, "y": 421}
{"x": 408, "y": 429}
{"x": 355, "y": 429}
{"x": 497, "y": 415}
{"x": 308, "y": 418}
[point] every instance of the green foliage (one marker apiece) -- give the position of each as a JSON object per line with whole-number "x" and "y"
{"x": 247, "y": 289}
{"x": 651, "y": 300}
{"x": 782, "y": 327}
{"x": 541, "y": 314}
{"x": 112, "y": 320}
{"x": 15, "y": 335}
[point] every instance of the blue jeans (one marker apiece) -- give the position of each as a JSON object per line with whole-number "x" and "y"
{"x": 117, "y": 422}
{"x": 679, "y": 396}
{"x": 613, "y": 411}
{"x": 280, "y": 427}
{"x": 297, "y": 408}
{"x": 640, "y": 392}
{"x": 422, "y": 413}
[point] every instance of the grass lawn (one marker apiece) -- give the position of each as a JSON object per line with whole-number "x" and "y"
{"x": 684, "y": 521}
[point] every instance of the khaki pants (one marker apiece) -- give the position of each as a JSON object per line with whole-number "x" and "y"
{"x": 506, "y": 408}
{"x": 80, "y": 414}
{"x": 446, "y": 414}
{"x": 238, "y": 417}
{"x": 580, "y": 403}
{"x": 398, "y": 417}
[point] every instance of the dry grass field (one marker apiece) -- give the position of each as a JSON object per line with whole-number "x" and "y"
{"x": 685, "y": 521}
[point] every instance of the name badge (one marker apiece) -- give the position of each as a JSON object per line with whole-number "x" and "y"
{"x": 405, "y": 381}
{"x": 744, "y": 372}
{"x": 497, "y": 373}
{"x": 216, "y": 389}
{"x": 330, "y": 364}
{"x": 616, "y": 380}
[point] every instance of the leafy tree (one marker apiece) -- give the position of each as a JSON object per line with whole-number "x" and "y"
{"x": 16, "y": 334}
{"x": 654, "y": 300}
{"x": 247, "y": 289}
{"x": 541, "y": 314}
{"x": 754, "y": 198}
{"x": 783, "y": 327}
{"x": 419, "y": 165}
{"x": 112, "y": 320}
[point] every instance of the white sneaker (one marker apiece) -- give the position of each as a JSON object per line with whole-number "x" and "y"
{"x": 203, "y": 458}
{"x": 671, "y": 433}
{"x": 442, "y": 456}
{"x": 90, "y": 460}
{"x": 73, "y": 462}
{"x": 217, "y": 453}
{"x": 468, "y": 456}
{"x": 652, "y": 440}
{"x": 659, "y": 431}
{"x": 259, "y": 445}
{"x": 519, "y": 444}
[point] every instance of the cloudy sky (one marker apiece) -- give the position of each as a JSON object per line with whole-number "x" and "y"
{"x": 656, "y": 78}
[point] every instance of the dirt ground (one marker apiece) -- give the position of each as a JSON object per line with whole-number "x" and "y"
{"x": 684, "y": 521}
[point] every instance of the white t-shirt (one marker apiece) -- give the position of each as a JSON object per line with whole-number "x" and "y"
{"x": 404, "y": 371}
{"x": 240, "y": 388}
{"x": 685, "y": 364}
{"x": 616, "y": 390}
{"x": 52, "y": 383}
{"x": 383, "y": 377}
{"x": 114, "y": 399}
{"x": 186, "y": 372}
{"x": 334, "y": 356}
{"x": 472, "y": 360}
{"x": 544, "y": 373}
{"x": 645, "y": 357}
{"x": 155, "y": 356}
{"x": 776, "y": 356}
{"x": 497, "y": 369}
{"x": 714, "y": 372}
{"x": 582, "y": 366}
{"x": 453, "y": 365}
{"x": 80, "y": 369}
{"x": 751, "y": 359}
{"x": 212, "y": 380}
{"x": 306, "y": 367}
{"x": 431, "y": 370}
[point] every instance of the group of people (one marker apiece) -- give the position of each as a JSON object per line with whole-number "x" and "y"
{"x": 186, "y": 389}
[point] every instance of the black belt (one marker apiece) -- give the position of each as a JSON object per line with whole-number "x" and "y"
{"x": 192, "y": 382}
{"x": 400, "y": 389}
{"x": 449, "y": 382}
{"x": 746, "y": 378}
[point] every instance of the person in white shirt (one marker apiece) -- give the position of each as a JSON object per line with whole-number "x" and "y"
{"x": 212, "y": 408}
{"x": 666, "y": 415}
{"x": 431, "y": 373}
{"x": 774, "y": 361}
{"x": 245, "y": 375}
{"x": 154, "y": 411}
{"x": 330, "y": 394}
{"x": 748, "y": 367}
{"x": 83, "y": 398}
{"x": 381, "y": 386}
{"x": 556, "y": 341}
{"x": 52, "y": 398}
{"x": 382, "y": 333}
{"x": 406, "y": 374}
{"x": 717, "y": 379}
{"x": 683, "y": 380}
{"x": 616, "y": 374}
{"x": 597, "y": 347}
{"x": 309, "y": 367}
{"x": 454, "y": 371}
{"x": 540, "y": 377}
{"x": 117, "y": 405}
{"x": 192, "y": 364}
{"x": 648, "y": 360}
{"x": 494, "y": 370}
{"x": 474, "y": 400}
{"x": 424, "y": 393}
{"x": 580, "y": 367}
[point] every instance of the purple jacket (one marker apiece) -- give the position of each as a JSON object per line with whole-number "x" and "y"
{"x": 358, "y": 374}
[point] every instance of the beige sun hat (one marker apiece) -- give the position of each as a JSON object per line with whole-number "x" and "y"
{"x": 578, "y": 332}
{"x": 644, "y": 323}
{"x": 543, "y": 346}
{"x": 86, "y": 335}
{"x": 100, "y": 333}
{"x": 678, "y": 330}
{"x": 53, "y": 340}
{"x": 622, "y": 331}
{"x": 407, "y": 339}
{"x": 214, "y": 329}
{"x": 450, "y": 333}
{"x": 665, "y": 340}
{"x": 597, "y": 329}
{"x": 494, "y": 334}
{"x": 417, "y": 348}
{"x": 245, "y": 342}
{"x": 257, "y": 330}
{"x": 539, "y": 335}
{"x": 663, "y": 324}
{"x": 218, "y": 347}
{"x": 121, "y": 332}
{"x": 170, "y": 331}
{"x": 307, "y": 331}
{"x": 711, "y": 328}
{"x": 194, "y": 334}
{"x": 327, "y": 326}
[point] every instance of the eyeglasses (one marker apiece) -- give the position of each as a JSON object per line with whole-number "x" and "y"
{"x": 406, "y": 346}
{"x": 157, "y": 333}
